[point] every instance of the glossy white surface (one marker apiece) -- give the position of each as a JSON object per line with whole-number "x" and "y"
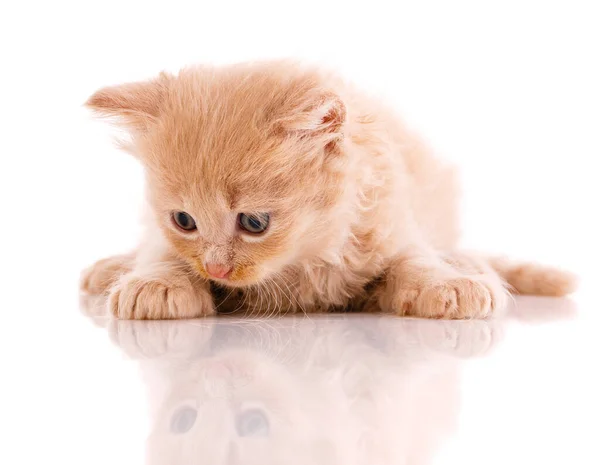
{"x": 337, "y": 389}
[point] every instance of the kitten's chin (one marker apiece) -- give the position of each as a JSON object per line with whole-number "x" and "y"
{"x": 237, "y": 283}
{"x": 234, "y": 283}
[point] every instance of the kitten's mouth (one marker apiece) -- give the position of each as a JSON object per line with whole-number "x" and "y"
{"x": 233, "y": 282}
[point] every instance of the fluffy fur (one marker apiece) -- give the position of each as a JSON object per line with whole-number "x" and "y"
{"x": 363, "y": 216}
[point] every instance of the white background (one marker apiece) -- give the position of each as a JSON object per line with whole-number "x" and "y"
{"x": 508, "y": 90}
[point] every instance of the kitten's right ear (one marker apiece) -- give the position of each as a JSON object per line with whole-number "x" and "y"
{"x": 135, "y": 105}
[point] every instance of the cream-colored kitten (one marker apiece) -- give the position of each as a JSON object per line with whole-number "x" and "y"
{"x": 289, "y": 190}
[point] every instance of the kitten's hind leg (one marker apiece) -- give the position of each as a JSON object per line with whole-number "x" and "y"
{"x": 430, "y": 285}
{"x": 98, "y": 278}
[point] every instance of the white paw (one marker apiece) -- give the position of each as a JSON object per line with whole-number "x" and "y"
{"x": 139, "y": 298}
{"x": 457, "y": 298}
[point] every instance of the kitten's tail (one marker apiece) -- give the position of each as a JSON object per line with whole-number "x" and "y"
{"x": 534, "y": 279}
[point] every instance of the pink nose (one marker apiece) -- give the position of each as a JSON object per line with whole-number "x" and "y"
{"x": 217, "y": 270}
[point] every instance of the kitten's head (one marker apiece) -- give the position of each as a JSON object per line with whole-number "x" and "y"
{"x": 245, "y": 164}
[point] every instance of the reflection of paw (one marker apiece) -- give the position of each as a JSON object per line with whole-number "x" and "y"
{"x": 98, "y": 278}
{"x": 459, "y": 338}
{"x": 161, "y": 339}
{"x": 139, "y": 298}
{"x": 457, "y": 298}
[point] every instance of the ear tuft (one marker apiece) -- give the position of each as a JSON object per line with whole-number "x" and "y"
{"x": 323, "y": 114}
{"x": 135, "y": 104}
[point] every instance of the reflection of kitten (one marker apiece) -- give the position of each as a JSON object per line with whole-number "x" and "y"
{"x": 360, "y": 390}
{"x": 292, "y": 188}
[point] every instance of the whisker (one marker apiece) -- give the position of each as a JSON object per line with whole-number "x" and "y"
{"x": 257, "y": 309}
{"x": 241, "y": 305}
{"x": 296, "y": 298}
{"x": 282, "y": 294}
{"x": 265, "y": 288}
{"x": 271, "y": 297}
{"x": 225, "y": 300}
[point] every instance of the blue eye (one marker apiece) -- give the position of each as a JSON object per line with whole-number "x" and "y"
{"x": 254, "y": 224}
{"x": 252, "y": 422}
{"x": 184, "y": 221}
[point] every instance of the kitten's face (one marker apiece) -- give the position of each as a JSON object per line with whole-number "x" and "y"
{"x": 244, "y": 165}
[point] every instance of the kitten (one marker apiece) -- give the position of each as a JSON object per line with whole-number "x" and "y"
{"x": 290, "y": 190}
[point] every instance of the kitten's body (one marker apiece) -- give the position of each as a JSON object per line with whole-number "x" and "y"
{"x": 363, "y": 216}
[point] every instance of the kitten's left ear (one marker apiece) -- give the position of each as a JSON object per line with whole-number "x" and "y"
{"x": 136, "y": 104}
{"x": 320, "y": 116}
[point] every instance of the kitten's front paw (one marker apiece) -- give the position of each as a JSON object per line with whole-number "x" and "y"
{"x": 139, "y": 298}
{"x": 457, "y": 298}
{"x": 98, "y": 278}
